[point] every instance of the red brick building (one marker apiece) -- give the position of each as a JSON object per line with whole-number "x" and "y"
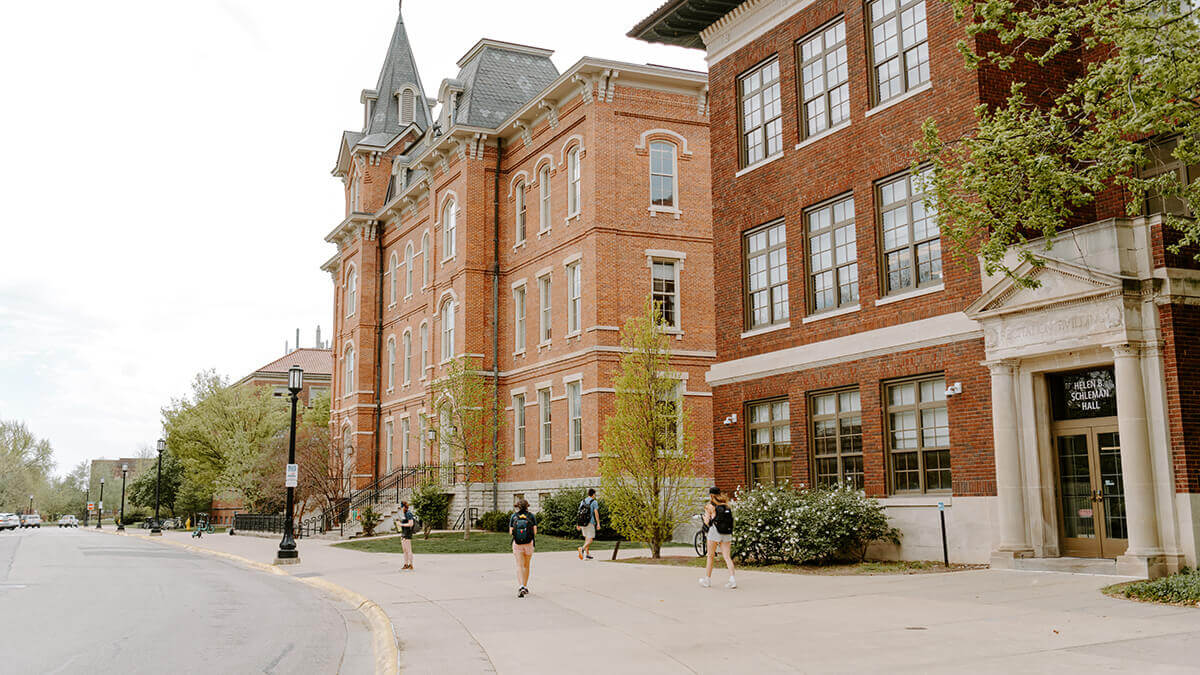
{"x": 1049, "y": 422}
{"x": 520, "y": 220}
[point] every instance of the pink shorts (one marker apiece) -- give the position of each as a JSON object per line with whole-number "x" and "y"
{"x": 525, "y": 549}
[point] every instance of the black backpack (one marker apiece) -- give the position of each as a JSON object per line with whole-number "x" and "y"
{"x": 584, "y": 516}
{"x": 723, "y": 519}
{"x": 522, "y": 527}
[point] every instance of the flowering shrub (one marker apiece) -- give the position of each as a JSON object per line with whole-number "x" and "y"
{"x": 784, "y": 525}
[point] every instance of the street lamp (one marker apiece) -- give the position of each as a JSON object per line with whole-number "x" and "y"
{"x": 288, "y": 555}
{"x": 156, "y": 530}
{"x": 121, "y": 522}
{"x": 100, "y": 506}
{"x": 31, "y": 505}
{"x": 87, "y": 497}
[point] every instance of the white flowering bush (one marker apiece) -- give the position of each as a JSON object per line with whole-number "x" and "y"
{"x": 775, "y": 524}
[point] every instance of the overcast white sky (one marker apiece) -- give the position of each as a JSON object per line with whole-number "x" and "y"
{"x": 165, "y": 185}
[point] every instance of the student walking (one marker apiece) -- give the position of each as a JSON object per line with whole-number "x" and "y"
{"x": 587, "y": 521}
{"x": 408, "y": 523}
{"x": 718, "y": 518}
{"x": 522, "y": 525}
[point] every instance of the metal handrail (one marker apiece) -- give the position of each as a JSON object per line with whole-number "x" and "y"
{"x": 461, "y": 523}
{"x": 336, "y": 514}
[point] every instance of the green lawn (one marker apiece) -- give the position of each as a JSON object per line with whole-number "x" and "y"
{"x": 868, "y": 568}
{"x": 1182, "y": 588}
{"x": 480, "y": 542}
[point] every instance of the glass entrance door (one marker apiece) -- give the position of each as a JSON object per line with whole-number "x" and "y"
{"x": 1091, "y": 491}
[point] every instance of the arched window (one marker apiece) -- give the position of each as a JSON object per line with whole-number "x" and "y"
{"x": 393, "y": 265}
{"x": 448, "y": 330}
{"x": 663, "y": 186}
{"x": 351, "y": 291}
{"x": 408, "y": 270}
{"x": 408, "y": 107}
{"x": 449, "y": 227}
{"x": 348, "y": 370}
{"x": 425, "y": 259}
{"x": 391, "y": 363}
{"x": 520, "y": 209}
{"x": 407, "y": 343}
{"x": 544, "y": 197}
{"x": 424, "y": 347}
{"x": 574, "y": 184}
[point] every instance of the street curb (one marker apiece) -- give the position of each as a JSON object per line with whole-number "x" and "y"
{"x": 383, "y": 639}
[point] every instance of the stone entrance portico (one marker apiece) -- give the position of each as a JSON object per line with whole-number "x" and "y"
{"x": 1094, "y": 305}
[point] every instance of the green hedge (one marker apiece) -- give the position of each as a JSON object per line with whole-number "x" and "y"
{"x": 494, "y": 521}
{"x": 1181, "y": 588}
{"x": 557, "y": 516}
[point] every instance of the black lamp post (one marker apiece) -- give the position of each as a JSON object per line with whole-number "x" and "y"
{"x": 30, "y": 512}
{"x": 156, "y": 529}
{"x": 87, "y": 497}
{"x": 100, "y": 506}
{"x": 288, "y": 555}
{"x": 121, "y": 520}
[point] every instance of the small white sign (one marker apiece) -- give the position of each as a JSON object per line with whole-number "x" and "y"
{"x": 293, "y": 475}
{"x": 101, "y": 507}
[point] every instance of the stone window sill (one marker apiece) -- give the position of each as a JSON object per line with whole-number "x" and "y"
{"x": 760, "y": 163}
{"x": 519, "y": 462}
{"x": 571, "y": 457}
{"x": 905, "y": 295}
{"x": 899, "y": 99}
{"x": 822, "y": 134}
{"x": 767, "y": 329}
{"x": 830, "y": 313}
{"x": 544, "y": 460}
{"x": 655, "y": 210}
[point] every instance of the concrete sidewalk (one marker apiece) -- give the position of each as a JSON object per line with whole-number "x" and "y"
{"x": 460, "y": 614}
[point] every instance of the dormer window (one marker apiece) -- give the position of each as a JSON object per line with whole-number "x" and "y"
{"x": 408, "y": 107}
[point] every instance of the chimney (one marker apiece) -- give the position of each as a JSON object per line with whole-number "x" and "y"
{"x": 297, "y": 338}
{"x": 286, "y": 349}
{"x": 319, "y": 345}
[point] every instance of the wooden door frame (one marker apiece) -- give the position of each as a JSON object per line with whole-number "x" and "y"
{"x": 1089, "y": 428}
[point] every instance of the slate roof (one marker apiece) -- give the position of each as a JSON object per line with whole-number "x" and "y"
{"x": 399, "y": 69}
{"x": 498, "y": 81}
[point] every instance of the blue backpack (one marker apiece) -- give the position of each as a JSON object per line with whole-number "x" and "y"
{"x": 522, "y": 527}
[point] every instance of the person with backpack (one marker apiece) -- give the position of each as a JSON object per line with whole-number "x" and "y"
{"x": 587, "y": 521}
{"x": 408, "y": 523}
{"x": 718, "y": 518}
{"x": 522, "y": 525}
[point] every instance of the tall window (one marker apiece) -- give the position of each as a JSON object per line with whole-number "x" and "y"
{"x": 393, "y": 270}
{"x": 405, "y": 431}
{"x": 665, "y": 291}
{"x": 519, "y": 318}
{"x": 425, "y": 259}
{"x": 424, "y": 348}
{"x": 574, "y": 185}
{"x": 544, "y": 198}
{"x": 662, "y": 174}
{"x": 422, "y": 432}
{"x": 574, "y": 297}
{"x": 912, "y": 244}
{"x": 388, "y": 436}
{"x": 520, "y": 209}
{"x": 544, "y": 301}
{"x": 449, "y": 227}
{"x": 762, "y": 122}
{"x": 391, "y": 363}
{"x": 918, "y": 435}
{"x": 575, "y": 413}
{"x": 899, "y": 52}
{"x": 519, "y": 428}
{"x": 824, "y": 79}
{"x": 766, "y": 276}
{"x": 448, "y": 330}
{"x": 833, "y": 255}
{"x": 406, "y": 341}
{"x": 408, "y": 270}
{"x": 547, "y": 435}
{"x": 837, "y": 439}
{"x": 770, "y": 443}
{"x": 351, "y": 291}
{"x": 1163, "y": 161}
{"x": 408, "y": 107}
{"x": 348, "y": 369}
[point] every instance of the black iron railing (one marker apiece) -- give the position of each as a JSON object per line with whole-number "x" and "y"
{"x": 461, "y": 523}
{"x": 258, "y": 522}
{"x": 335, "y": 515}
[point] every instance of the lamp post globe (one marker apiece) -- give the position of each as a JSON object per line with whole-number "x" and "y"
{"x": 156, "y": 526}
{"x": 100, "y": 506}
{"x": 288, "y": 554}
{"x": 121, "y": 518}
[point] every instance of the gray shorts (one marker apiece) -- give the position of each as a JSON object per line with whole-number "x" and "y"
{"x": 715, "y": 536}
{"x": 589, "y": 531}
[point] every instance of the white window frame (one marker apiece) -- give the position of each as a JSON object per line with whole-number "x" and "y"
{"x": 574, "y": 183}
{"x": 575, "y": 418}
{"x": 391, "y": 362}
{"x": 675, "y": 264}
{"x": 405, "y": 431}
{"x": 574, "y": 297}
{"x": 388, "y": 435}
{"x": 425, "y": 256}
{"x": 406, "y": 341}
{"x": 520, "y": 217}
{"x": 520, "y": 308}
{"x": 348, "y": 370}
{"x": 447, "y": 316}
{"x": 519, "y": 423}
{"x": 393, "y": 266}
{"x": 422, "y": 431}
{"x": 408, "y": 270}
{"x": 449, "y": 229}
{"x": 674, "y": 176}
{"x": 351, "y": 290}
{"x": 545, "y": 309}
{"x": 545, "y": 424}
{"x": 544, "y": 200}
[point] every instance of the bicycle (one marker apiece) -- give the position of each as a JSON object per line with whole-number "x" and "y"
{"x": 700, "y": 541}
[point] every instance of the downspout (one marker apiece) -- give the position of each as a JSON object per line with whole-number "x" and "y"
{"x": 496, "y": 329}
{"x": 378, "y": 351}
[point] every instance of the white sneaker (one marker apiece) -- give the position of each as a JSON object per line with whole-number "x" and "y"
{"x": 731, "y": 583}
{"x": 705, "y": 582}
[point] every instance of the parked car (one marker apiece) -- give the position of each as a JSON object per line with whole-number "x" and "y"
{"x": 68, "y": 521}
{"x": 31, "y": 520}
{"x": 9, "y": 521}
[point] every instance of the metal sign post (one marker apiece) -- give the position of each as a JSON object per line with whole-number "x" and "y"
{"x": 945, "y": 549}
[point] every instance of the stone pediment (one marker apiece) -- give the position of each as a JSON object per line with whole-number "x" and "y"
{"x": 1059, "y": 283}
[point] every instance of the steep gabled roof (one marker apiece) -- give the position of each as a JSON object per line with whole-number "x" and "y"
{"x": 399, "y": 71}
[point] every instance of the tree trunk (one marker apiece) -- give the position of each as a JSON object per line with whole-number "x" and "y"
{"x": 655, "y": 548}
{"x": 467, "y": 514}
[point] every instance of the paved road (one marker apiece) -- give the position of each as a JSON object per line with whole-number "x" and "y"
{"x": 76, "y": 601}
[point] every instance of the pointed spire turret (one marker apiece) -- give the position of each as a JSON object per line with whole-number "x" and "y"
{"x": 400, "y": 97}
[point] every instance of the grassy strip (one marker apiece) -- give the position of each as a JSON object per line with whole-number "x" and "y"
{"x": 1182, "y": 588}
{"x": 480, "y": 542}
{"x": 868, "y": 568}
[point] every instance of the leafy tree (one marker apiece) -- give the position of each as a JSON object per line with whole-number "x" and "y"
{"x": 141, "y": 492}
{"x": 431, "y": 505}
{"x": 25, "y": 465}
{"x": 646, "y": 461}
{"x": 1041, "y": 157}
{"x": 465, "y": 422}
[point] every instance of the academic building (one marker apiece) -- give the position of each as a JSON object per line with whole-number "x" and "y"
{"x": 1056, "y": 425}
{"x": 518, "y": 219}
